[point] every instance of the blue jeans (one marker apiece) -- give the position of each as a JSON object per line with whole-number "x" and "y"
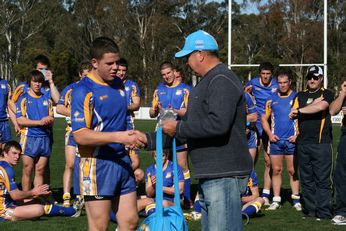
{"x": 220, "y": 203}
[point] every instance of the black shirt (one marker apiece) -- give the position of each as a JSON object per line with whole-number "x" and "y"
{"x": 314, "y": 128}
{"x": 343, "y": 122}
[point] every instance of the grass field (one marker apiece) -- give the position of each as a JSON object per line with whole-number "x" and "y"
{"x": 285, "y": 218}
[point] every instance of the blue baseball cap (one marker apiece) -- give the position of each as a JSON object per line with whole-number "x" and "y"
{"x": 198, "y": 41}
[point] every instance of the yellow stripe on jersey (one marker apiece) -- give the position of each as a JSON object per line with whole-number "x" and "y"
{"x": 295, "y": 103}
{"x": 17, "y": 93}
{"x": 88, "y": 110}
{"x": 186, "y": 97}
{"x": 67, "y": 98}
{"x": 23, "y": 139}
{"x": 22, "y": 106}
{"x": 322, "y": 125}
{"x": 134, "y": 91}
{"x": 268, "y": 107}
{"x": 50, "y": 108}
{"x": 93, "y": 177}
{"x": 5, "y": 179}
{"x": 155, "y": 101}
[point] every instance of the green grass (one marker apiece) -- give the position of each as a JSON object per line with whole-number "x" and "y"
{"x": 285, "y": 218}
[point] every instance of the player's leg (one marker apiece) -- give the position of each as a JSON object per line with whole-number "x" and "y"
{"x": 28, "y": 167}
{"x": 40, "y": 167}
{"x": 276, "y": 164}
{"x": 266, "y": 176}
{"x": 127, "y": 215}
{"x": 97, "y": 213}
{"x": 294, "y": 181}
{"x": 142, "y": 203}
{"x": 70, "y": 154}
{"x": 253, "y": 207}
{"x": 183, "y": 163}
{"x": 139, "y": 175}
{"x": 26, "y": 212}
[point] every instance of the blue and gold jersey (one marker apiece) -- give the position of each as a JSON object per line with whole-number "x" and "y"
{"x": 253, "y": 182}
{"x": 168, "y": 180}
{"x": 175, "y": 97}
{"x": 260, "y": 93}
{"x": 7, "y": 184}
{"x": 65, "y": 100}
{"x": 100, "y": 107}
{"x": 35, "y": 108}
{"x": 278, "y": 109}
{"x": 5, "y": 94}
{"x": 131, "y": 90}
{"x": 250, "y": 104}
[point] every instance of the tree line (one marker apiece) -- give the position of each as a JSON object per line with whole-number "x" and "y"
{"x": 149, "y": 32}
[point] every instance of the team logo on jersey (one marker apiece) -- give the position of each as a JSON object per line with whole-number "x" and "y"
{"x": 275, "y": 102}
{"x": 168, "y": 175}
{"x": 76, "y": 114}
{"x": 162, "y": 93}
{"x": 102, "y": 97}
{"x": 257, "y": 88}
{"x": 127, "y": 88}
{"x": 3, "y": 86}
{"x": 122, "y": 93}
{"x": 274, "y": 89}
{"x": 45, "y": 103}
{"x": 309, "y": 101}
{"x": 178, "y": 92}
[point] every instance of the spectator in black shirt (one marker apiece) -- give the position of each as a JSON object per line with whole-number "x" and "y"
{"x": 314, "y": 145}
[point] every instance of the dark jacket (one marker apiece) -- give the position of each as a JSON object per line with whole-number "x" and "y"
{"x": 214, "y": 126}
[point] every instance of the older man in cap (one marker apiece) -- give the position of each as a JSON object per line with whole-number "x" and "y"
{"x": 214, "y": 129}
{"x": 314, "y": 145}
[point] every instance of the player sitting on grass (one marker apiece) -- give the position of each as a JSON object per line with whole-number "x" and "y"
{"x": 11, "y": 198}
{"x": 168, "y": 185}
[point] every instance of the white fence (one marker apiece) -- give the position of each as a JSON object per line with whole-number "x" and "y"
{"x": 143, "y": 114}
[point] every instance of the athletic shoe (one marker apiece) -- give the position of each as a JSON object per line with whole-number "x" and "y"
{"x": 78, "y": 205}
{"x": 274, "y": 206}
{"x": 266, "y": 201}
{"x": 339, "y": 220}
{"x": 196, "y": 215}
{"x": 298, "y": 206}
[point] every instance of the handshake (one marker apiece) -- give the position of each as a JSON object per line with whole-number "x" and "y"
{"x": 136, "y": 139}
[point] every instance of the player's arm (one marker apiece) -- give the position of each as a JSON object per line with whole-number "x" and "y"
{"x": 11, "y": 109}
{"x": 135, "y": 105}
{"x": 336, "y": 105}
{"x": 156, "y": 106}
{"x": 42, "y": 190}
{"x": 252, "y": 117}
{"x": 63, "y": 110}
{"x": 170, "y": 190}
{"x": 181, "y": 112}
{"x": 55, "y": 95}
{"x": 253, "y": 196}
{"x": 150, "y": 185}
{"x": 318, "y": 106}
{"x": 134, "y": 160}
{"x": 265, "y": 124}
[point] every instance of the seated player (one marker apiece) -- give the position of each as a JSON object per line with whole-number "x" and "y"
{"x": 168, "y": 184}
{"x": 252, "y": 202}
{"x": 12, "y": 207}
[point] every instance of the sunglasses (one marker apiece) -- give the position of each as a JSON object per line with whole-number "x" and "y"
{"x": 314, "y": 77}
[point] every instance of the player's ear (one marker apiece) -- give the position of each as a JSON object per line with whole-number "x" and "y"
{"x": 94, "y": 63}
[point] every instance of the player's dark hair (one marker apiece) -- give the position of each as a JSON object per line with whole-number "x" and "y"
{"x": 41, "y": 59}
{"x": 266, "y": 66}
{"x": 102, "y": 45}
{"x": 123, "y": 62}
{"x": 85, "y": 65}
{"x": 36, "y": 76}
{"x": 283, "y": 72}
{"x": 166, "y": 64}
{"x": 11, "y": 144}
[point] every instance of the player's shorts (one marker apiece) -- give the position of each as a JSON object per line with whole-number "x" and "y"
{"x": 252, "y": 139}
{"x": 281, "y": 147}
{"x": 5, "y": 131}
{"x": 182, "y": 148}
{"x": 6, "y": 214}
{"x": 102, "y": 177}
{"x": 69, "y": 139}
{"x": 76, "y": 180}
{"x": 36, "y": 146}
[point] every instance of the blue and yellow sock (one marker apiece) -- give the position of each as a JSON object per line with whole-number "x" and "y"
{"x": 150, "y": 209}
{"x": 187, "y": 186}
{"x": 196, "y": 204}
{"x": 112, "y": 216}
{"x": 56, "y": 210}
{"x": 295, "y": 198}
{"x": 252, "y": 209}
{"x": 266, "y": 193}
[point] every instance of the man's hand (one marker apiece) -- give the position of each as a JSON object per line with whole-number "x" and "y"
{"x": 293, "y": 113}
{"x": 17, "y": 130}
{"x": 135, "y": 139}
{"x": 42, "y": 190}
{"x": 153, "y": 180}
{"x": 317, "y": 100}
{"x": 273, "y": 138}
{"x": 292, "y": 139}
{"x": 49, "y": 76}
{"x": 169, "y": 127}
{"x": 48, "y": 120}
